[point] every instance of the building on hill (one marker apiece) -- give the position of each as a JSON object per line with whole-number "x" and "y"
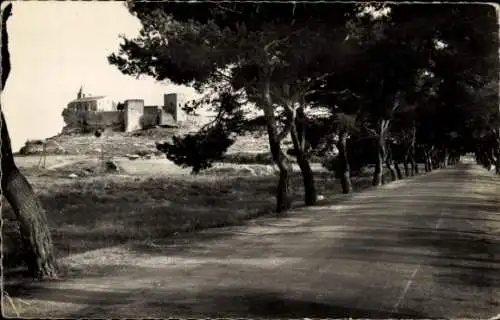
{"x": 91, "y": 103}
{"x": 87, "y": 113}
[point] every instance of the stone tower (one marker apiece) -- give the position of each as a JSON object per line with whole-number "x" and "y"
{"x": 172, "y": 103}
{"x": 133, "y": 113}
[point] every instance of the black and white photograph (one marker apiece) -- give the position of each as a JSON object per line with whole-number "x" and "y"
{"x": 250, "y": 160}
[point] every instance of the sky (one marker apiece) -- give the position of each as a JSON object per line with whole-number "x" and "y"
{"x": 58, "y": 46}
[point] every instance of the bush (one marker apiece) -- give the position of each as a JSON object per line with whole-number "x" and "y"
{"x": 248, "y": 158}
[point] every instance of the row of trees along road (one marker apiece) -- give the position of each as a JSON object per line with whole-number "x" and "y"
{"x": 400, "y": 83}
{"x": 398, "y": 80}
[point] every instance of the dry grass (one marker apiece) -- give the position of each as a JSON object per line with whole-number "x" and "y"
{"x": 103, "y": 211}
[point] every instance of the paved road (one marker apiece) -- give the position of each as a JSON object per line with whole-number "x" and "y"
{"x": 427, "y": 247}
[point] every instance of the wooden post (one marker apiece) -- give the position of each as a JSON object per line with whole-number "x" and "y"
{"x": 40, "y": 160}
{"x": 44, "y": 153}
{"x": 102, "y": 156}
{"x": 98, "y": 134}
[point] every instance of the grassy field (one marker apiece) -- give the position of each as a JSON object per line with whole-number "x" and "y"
{"x": 101, "y": 211}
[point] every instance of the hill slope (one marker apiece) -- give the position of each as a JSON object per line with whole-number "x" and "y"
{"x": 141, "y": 142}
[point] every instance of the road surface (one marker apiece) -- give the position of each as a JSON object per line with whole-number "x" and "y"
{"x": 427, "y": 247}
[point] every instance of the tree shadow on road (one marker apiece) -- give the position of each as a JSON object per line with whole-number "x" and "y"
{"x": 228, "y": 302}
{"x": 450, "y": 228}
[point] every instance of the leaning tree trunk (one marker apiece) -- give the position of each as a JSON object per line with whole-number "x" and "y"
{"x": 311, "y": 196}
{"x": 343, "y": 163}
{"x": 35, "y": 231}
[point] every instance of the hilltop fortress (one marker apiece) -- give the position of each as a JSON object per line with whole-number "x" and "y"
{"x": 87, "y": 113}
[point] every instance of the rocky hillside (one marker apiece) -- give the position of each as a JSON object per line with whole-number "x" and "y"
{"x": 142, "y": 143}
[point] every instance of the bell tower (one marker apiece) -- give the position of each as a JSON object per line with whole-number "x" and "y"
{"x": 80, "y": 93}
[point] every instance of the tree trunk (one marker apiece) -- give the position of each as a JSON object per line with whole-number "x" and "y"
{"x": 491, "y": 159}
{"x": 405, "y": 165}
{"x": 446, "y": 159}
{"x": 427, "y": 161}
{"x": 497, "y": 147}
{"x": 398, "y": 171}
{"x": 413, "y": 162}
{"x": 378, "y": 176}
{"x": 412, "y": 154}
{"x": 283, "y": 201}
{"x": 33, "y": 224}
{"x": 30, "y": 214}
{"x": 311, "y": 196}
{"x": 497, "y": 164}
{"x": 343, "y": 164}
{"x": 485, "y": 160}
{"x": 391, "y": 169}
{"x": 435, "y": 158}
{"x": 390, "y": 163}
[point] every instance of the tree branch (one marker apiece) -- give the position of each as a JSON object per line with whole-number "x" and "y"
{"x": 371, "y": 131}
{"x": 278, "y": 41}
{"x": 227, "y": 9}
{"x": 311, "y": 83}
{"x": 280, "y": 98}
{"x": 223, "y": 75}
{"x": 385, "y": 125}
{"x": 286, "y": 130}
{"x": 322, "y": 77}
